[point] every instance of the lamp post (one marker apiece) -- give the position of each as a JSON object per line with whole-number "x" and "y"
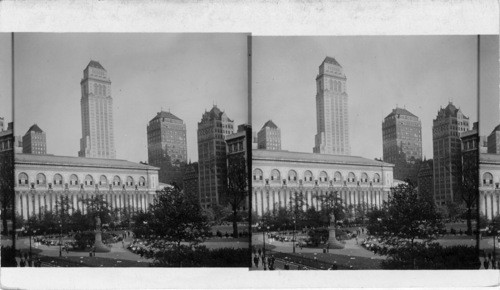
{"x": 60, "y": 239}
{"x": 264, "y": 246}
{"x": 293, "y": 239}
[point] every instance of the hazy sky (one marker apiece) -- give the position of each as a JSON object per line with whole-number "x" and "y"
{"x": 421, "y": 73}
{"x": 489, "y": 93}
{"x": 5, "y": 77}
{"x": 186, "y": 73}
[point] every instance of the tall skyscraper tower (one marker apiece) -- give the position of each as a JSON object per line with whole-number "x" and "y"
{"x": 446, "y": 129}
{"x": 34, "y": 141}
{"x": 331, "y": 110}
{"x": 167, "y": 145}
{"x": 269, "y": 137}
{"x": 402, "y": 136}
{"x": 215, "y": 125}
{"x": 98, "y": 139}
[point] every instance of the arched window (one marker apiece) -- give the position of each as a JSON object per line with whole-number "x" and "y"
{"x": 23, "y": 178}
{"x": 275, "y": 175}
{"x": 487, "y": 178}
{"x": 351, "y": 177}
{"x": 89, "y": 180}
{"x": 58, "y": 180}
{"x": 331, "y": 85}
{"x": 117, "y": 181}
{"x": 257, "y": 174}
{"x": 142, "y": 181}
{"x": 103, "y": 180}
{"x": 337, "y": 177}
{"x": 308, "y": 176}
{"x": 130, "y": 181}
{"x": 40, "y": 179}
{"x": 323, "y": 176}
{"x": 376, "y": 178}
{"x": 292, "y": 175}
{"x": 73, "y": 179}
{"x": 364, "y": 177}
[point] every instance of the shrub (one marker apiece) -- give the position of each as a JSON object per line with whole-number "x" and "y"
{"x": 200, "y": 256}
{"x": 431, "y": 256}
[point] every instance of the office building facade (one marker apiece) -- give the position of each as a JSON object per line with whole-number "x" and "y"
{"x": 332, "y": 118}
{"x": 97, "y": 113}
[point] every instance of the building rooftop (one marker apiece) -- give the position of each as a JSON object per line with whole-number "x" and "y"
{"x": 332, "y": 61}
{"x": 167, "y": 115}
{"x": 282, "y": 155}
{"x": 70, "y": 161}
{"x": 270, "y": 124}
{"x": 401, "y": 111}
{"x": 95, "y": 64}
{"x": 34, "y": 128}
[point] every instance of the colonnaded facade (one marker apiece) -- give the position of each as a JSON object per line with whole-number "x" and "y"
{"x": 42, "y": 179}
{"x": 280, "y": 175}
{"x": 489, "y": 185}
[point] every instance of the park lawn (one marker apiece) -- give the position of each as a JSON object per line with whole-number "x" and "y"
{"x": 90, "y": 262}
{"x": 344, "y": 262}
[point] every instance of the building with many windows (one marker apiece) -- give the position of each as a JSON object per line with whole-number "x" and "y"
{"x": 493, "y": 141}
{"x": 34, "y": 141}
{"x": 167, "y": 146}
{"x": 238, "y": 147}
{"x": 42, "y": 179}
{"x": 402, "y": 136}
{"x": 449, "y": 124}
{"x": 269, "y": 137}
{"x": 332, "y": 110}
{"x": 98, "y": 139}
{"x": 278, "y": 176}
{"x": 190, "y": 180}
{"x": 213, "y": 128}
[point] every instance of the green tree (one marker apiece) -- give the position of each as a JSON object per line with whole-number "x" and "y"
{"x": 407, "y": 217}
{"x": 174, "y": 218}
{"x": 7, "y": 199}
{"x": 97, "y": 206}
{"x": 237, "y": 185}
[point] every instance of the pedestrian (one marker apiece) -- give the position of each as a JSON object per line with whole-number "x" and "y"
{"x": 123, "y": 244}
{"x": 30, "y": 262}
{"x": 356, "y": 240}
{"x": 22, "y": 263}
{"x": 256, "y": 261}
{"x": 328, "y": 248}
{"x": 486, "y": 263}
{"x": 260, "y": 252}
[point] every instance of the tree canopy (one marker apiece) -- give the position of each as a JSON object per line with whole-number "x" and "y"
{"x": 406, "y": 216}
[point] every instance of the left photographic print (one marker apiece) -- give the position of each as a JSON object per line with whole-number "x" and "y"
{"x": 130, "y": 150}
{"x": 7, "y": 145}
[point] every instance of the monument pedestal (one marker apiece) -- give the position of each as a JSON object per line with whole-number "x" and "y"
{"x": 332, "y": 240}
{"x": 99, "y": 246}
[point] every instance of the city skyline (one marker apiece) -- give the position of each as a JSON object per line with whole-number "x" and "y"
{"x": 419, "y": 73}
{"x": 184, "y": 74}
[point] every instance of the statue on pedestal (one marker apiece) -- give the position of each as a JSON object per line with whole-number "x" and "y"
{"x": 332, "y": 239}
{"x": 99, "y": 246}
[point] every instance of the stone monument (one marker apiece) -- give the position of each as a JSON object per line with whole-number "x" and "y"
{"x": 332, "y": 239}
{"x": 99, "y": 246}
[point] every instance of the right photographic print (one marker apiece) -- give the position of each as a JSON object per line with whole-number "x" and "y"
{"x": 366, "y": 149}
{"x": 489, "y": 157}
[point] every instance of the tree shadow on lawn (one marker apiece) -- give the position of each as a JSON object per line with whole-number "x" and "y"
{"x": 73, "y": 261}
